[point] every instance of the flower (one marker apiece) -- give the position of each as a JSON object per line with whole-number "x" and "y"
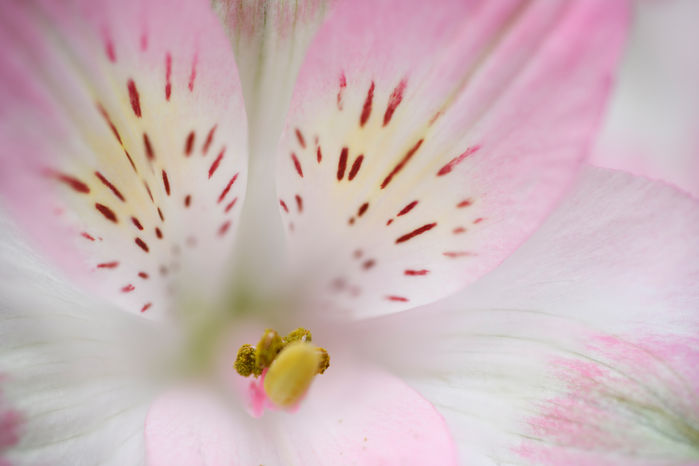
{"x": 159, "y": 222}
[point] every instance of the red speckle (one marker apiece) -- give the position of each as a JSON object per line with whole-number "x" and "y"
{"x": 166, "y": 182}
{"x": 135, "y": 221}
{"x": 168, "y": 75}
{"x": 149, "y": 148}
{"x": 393, "y": 101}
{"x": 134, "y": 97}
{"x": 160, "y": 214}
{"x": 128, "y": 288}
{"x": 351, "y": 221}
{"x": 146, "y": 307}
{"x": 342, "y": 163}
{"x": 230, "y": 205}
{"x": 366, "y": 109}
{"x": 150, "y": 193}
{"x": 163, "y": 270}
{"x": 357, "y": 254}
{"x": 368, "y": 264}
{"x": 362, "y": 208}
{"x": 193, "y": 73}
{"x": 216, "y": 163}
{"x": 209, "y": 139}
{"x": 143, "y": 275}
{"x": 107, "y": 212}
{"x": 407, "y": 208}
{"x": 73, "y": 182}
{"x": 297, "y": 164}
{"x": 283, "y": 204}
{"x": 105, "y": 115}
{"x": 457, "y": 254}
{"x": 401, "y": 299}
{"x": 406, "y": 158}
{"x": 417, "y": 231}
{"x": 478, "y": 220}
{"x": 299, "y": 203}
{"x": 189, "y": 144}
{"x": 158, "y": 233}
{"x": 224, "y": 228}
{"x": 319, "y": 155}
{"x": 109, "y": 50}
{"x": 227, "y": 188}
{"x": 464, "y": 203}
{"x": 108, "y": 265}
{"x": 414, "y": 273}
{"x": 456, "y": 160}
{"x": 141, "y": 244}
{"x": 389, "y": 221}
{"x": 343, "y": 85}
{"x": 459, "y": 230}
{"x": 299, "y": 136}
{"x": 108, "y": 184}
{"x": 187, "y": 200}
{"x": 86, "y": 235}
{"x": 355, "y": 167}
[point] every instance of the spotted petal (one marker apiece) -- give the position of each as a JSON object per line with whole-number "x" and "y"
{"x": 425, "y": 143}
{"x": 124, "y": 142}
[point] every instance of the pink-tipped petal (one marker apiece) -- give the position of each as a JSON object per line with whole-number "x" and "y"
{"x": 425, "y": 143}
{"x": 124, "y": 143}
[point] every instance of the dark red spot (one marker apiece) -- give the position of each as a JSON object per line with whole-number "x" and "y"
{"x": 297, "y": 164}
{"x": 109, "y": 50}
{"x": 108, "y": 184}
{"x": 168, "y": 74}
{"x": 136, "y": 222}
{"x": 227, "y": 188}
{"x": 105, "y": 115}
{"x": 368, "y": 264}
{"x": 406, "y": 158}
{"x": 128, "y": 288}
{"x": 299, "y": 203}
{"x": 362, "y": 208}
{"x": 401, "y": 299}
{"x": 86, "y": 235}
{"x": 393, "y": 101}
{"x": 342, "y": 163}
{"x": 146, "y": 307}
{"x": 128, "y": 156}
{"x": 299, "y": 136}
{"x": 457, "y": 160}
{"x": 366, "y": 109}
{"x": 73, "y": 182}
{"x": 187, "y": 200}
{"x": 230, "y": 205}
{"x": 478, "y": 220}
{"x": 355, "y": 167}
{"x": 150, "y": 193}
{"x": 319, "y": 155}
{"x": 107, "y": 212}
{"x": 413, "y": 273}
{"x": 464, "y": 203}
{"x": 216, "y": 163}
{"x": 149, "y": 148}
{"x": 389, "y": 221}
{"x": 457, "y": 254}
{"x": 158, "y": 233}
{"x": 343, "y": 85}
{"x": 351, "y": 221}
{"x": 141, "y": 244}
{"x": 209, "y": 139}
{"x": 135, "y": 99}
{"x": 166, "y": 183}
{"x": 417, "y": 231}
{"x": 108, "y": 265}
{"x": 407, "y": 208}
{"x": 459, "y": 230}
{"x": 189, "y": 144}
{"x": 284, "y": 206}
{"x": 224, "y": 228}
{"x": 193, "y": 74}
{"x": 160, "y": 214}
{"x": 143, "y": 275}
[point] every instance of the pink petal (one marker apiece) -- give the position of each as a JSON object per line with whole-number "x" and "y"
{"x": 123, "y": 135}
{"x": 362, "y": 417}
{"x": 426, "y": 143}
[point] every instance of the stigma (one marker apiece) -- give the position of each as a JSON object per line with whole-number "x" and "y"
{"x": 286, "y": 365}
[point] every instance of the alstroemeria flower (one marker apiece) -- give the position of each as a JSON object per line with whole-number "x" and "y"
{"x": 181, "y": 177}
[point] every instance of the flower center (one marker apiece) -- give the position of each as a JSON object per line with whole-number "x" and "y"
{"x": 287, "y": 364}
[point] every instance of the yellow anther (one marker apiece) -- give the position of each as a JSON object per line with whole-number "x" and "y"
{"x": 267, "y": 349}
{"x": 291, "y": 373}
{"x": 324, "y": 361}
{"x": 300, "y": 334}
